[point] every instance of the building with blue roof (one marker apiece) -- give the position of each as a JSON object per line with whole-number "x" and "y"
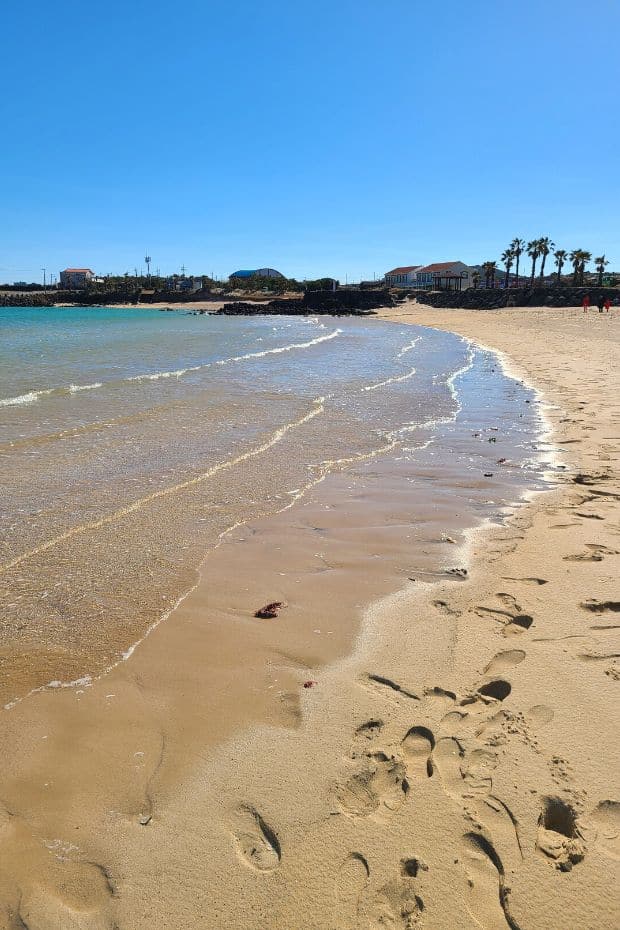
{"x": 257, "y": 273}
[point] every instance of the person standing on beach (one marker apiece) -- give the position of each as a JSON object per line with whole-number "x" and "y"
{"x": 585, "y": 303}
{"x": 600, "y": 304}
{"x": 607, "y": 304}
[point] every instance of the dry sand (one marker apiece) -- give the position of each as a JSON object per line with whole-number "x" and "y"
{"x": 460, "y": 769}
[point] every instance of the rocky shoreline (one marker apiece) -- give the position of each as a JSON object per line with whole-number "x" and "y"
{"x": 353, "y": 302}
{"x": 498, "y": 298}
{"x": 343, "y": 301}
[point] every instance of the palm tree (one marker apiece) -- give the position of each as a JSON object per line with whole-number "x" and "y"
{"x": 533, "y": 250}
{"x": 508, "y": 257}
{"x": 574, "y": 259}
{"x": 560, "y": 258}
{"x": 545, "y": 245}
{"x": 489, "y": 269}
{"x": 475, "y": 278}
{"x": 584, "y": 258}
{"x": 516, "y": 247}
{"x": 600, "y": 263}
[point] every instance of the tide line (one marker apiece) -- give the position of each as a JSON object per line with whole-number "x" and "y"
{"x": 411, "y": 345}
{"x": 380, "y": 384}
{"x": 279, "y": 349}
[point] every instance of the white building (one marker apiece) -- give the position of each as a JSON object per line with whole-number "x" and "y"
{"x": 444, "y": 276}
{"x": 76, "y": 278}
{"x": 402, "y": 277}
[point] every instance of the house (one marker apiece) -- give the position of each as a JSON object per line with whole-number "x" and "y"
{"x": 192, "y": 284}
{"x": 402, "y": 277}
{"x": 257, "y": 273}
{"x": 76, "y": 278}
{"x": 444, "y": 276}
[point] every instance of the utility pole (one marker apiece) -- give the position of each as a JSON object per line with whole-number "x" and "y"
{"x": 43, "y": 270}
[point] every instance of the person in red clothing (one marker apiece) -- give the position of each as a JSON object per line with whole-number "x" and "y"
{"x": 607, "y": 304}
{"x": 586, "y": 303}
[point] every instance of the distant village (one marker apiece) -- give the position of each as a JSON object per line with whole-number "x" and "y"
{"x": 437, "y": 276}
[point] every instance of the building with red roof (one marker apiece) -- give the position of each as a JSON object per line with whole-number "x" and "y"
{"x": 402, "y": 277}
{"x": 75, "y": 278}
{"x": 439, "y": 276}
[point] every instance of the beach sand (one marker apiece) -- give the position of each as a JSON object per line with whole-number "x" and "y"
{"x": 457, "y": 768}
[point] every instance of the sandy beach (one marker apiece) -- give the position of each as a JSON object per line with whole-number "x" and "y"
{"x": 453, "y": 762}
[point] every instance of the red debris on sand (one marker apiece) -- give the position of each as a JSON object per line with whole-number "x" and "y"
{"x": 269, "y": 611}
{"x": 310, "y": 684}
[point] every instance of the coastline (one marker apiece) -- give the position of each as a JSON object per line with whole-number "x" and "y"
{"x": 330, "y": 792}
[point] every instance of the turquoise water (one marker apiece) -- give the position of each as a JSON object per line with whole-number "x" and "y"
{"x": 132, "y": 440}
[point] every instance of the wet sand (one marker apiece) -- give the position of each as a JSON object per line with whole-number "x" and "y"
{"x": 456, "y": 770}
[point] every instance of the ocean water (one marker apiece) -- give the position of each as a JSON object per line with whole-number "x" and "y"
{"x": 132, "y": 441}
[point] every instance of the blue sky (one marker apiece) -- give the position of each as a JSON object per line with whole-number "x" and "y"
{"x": 341, "y": 138}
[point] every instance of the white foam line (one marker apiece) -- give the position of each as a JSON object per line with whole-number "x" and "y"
{"x": 164, "y": 374}
{"x": 75, "y": 388}
{"x": 409, "y": 346}
{"x": 28, "y": 398}
{"x": 380, "y": 384}
{"x": 279, "y": 349}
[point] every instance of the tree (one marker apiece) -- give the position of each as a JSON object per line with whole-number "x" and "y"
{"x": 508, "y": 258}
{"x": 600, "y": 263}
{"x": 545, "y": 246}
{"x": 516, "y": 247}
{"x": 533, "y": 250}
{"x": 489, "y": 269}
{"x": 475, "y": 278}
{"x": 584, "y": 258}
{"x": 579, "y": 259}
{"x": 560, "y": 258}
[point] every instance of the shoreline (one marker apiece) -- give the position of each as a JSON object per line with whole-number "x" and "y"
{"x": 325, "y": 789}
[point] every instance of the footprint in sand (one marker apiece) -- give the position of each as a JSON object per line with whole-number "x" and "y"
{"x": 453, "y": 722}
{"x": 256, "y": 842}
{"x": 500, "y": 823}
{"x": 559, "y": 837}
{"x": 417, "y": 747}
{"x": 603, "y": 825}
{"x": 397, "y": 906}
{"x": 436, "y": 699}
{"x": 593, "y": 553}
{"x": 447, "y": 756}
{"x": 351, "y": 881}
{"x": 42, "y": 909}
{"x": 518, "y": 624}
{"x": 503, "y": 660}
{"x": 378, "y": 787}
{"x": 488, "y": 899}
{"x": 45, "y": 887}
{"x": 490, "y": 692}
{"x": 539, "y": 716}
{"x": 368, "y": 731}
{"x": 510, "y": 614}
{"x": 477, "y": 771}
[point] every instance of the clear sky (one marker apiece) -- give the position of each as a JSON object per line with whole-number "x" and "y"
{"x": 340, "y": 138}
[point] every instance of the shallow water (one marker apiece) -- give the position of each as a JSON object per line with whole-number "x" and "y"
{"x": 131, "y": 441}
